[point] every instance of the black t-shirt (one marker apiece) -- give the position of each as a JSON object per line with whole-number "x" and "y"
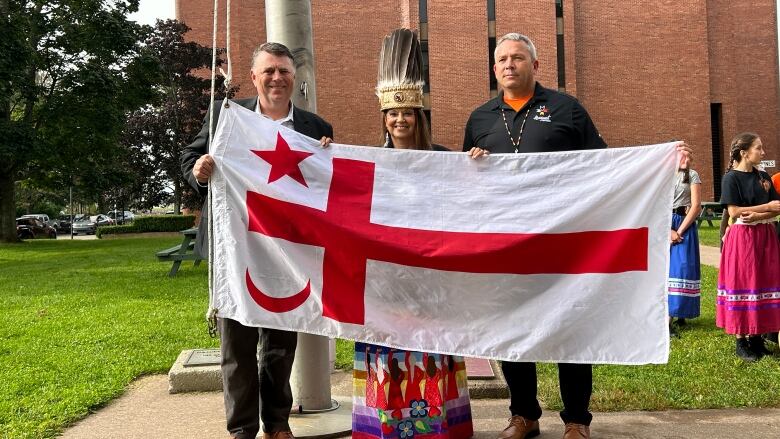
{"x": 553, "y": 122}
{"x": 744, "y": 189}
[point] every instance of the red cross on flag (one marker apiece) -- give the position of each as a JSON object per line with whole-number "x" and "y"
{"x": 535, "y": 257}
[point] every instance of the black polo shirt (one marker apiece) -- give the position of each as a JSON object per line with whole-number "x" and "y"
{"x": 554, "y": 122}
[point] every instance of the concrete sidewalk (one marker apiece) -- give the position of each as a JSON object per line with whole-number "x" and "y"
{"x": 147, "y": 410}
{"x": 709, "y": 255}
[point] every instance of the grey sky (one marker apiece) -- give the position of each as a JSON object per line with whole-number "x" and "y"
{"x": 150, "y": 10}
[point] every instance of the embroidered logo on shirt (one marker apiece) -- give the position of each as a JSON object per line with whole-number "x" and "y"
{"x": 542, "y": 114}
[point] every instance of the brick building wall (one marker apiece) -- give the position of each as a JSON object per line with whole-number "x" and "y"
{"x": 247, "y": 28}
{"x": 458, "y": 66}
{"x": 646, "y": 73}
{"x": 538, "y": 22}
{"x": 643, "y": 73}
{"x": 744, "y": 71}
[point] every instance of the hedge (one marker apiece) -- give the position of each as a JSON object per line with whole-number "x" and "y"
{"x": 155, "y": 223}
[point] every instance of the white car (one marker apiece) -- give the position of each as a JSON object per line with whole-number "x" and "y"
{"x": 89, "y": 225}
{"x": 121, "y": 217}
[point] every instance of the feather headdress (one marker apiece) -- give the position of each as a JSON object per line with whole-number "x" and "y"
{"x": 400, "y": 80}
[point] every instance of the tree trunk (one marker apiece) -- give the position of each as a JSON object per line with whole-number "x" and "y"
{"x": 7, "y": 207}
{"x": 176, "y": 197}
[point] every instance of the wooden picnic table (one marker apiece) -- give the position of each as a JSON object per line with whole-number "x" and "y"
{"x": 182, "y": 252}
{"x": 709, "y": 211}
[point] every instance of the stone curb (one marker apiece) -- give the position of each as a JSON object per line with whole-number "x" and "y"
{"x": 208, "y": 378}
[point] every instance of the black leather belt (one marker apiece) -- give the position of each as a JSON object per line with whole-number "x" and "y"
{"x": 680, "y": 210}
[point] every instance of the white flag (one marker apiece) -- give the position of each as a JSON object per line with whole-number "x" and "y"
{"x": 557, "y": 256}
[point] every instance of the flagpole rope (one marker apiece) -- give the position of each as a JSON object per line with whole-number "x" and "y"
{"x": 229, "y": 75}
{"x": 211, "y": 313}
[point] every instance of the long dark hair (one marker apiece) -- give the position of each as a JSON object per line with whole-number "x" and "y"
{"x": 422, "y": 134}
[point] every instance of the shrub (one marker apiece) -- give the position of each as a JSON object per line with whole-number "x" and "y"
{"x": 155, "y": 223}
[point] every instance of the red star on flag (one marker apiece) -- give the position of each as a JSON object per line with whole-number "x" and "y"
{"x": 284, "y": 161}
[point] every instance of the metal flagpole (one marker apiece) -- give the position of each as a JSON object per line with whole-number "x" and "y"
{"x": 289, "y": 22}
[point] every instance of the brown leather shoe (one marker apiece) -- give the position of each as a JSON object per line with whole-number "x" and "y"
{"x": 520, "y": 428}
{"x": 576, "y": 431}
{"x": 279, "y": 435}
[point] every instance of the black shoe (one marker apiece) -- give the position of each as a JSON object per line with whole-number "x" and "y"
{"x": 756, "y": 343}
{"x": 770, "y": 337}
{"x": 681, "y": 322}
{"x": 673, "y": 332}
{"x": 744, "y": 352}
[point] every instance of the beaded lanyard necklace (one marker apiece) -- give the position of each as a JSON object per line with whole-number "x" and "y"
{"x": 516, "y": 144}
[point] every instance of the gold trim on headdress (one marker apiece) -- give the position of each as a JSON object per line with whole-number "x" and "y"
{"x": 400, "y": 82}
{"x": 400, "y": 96}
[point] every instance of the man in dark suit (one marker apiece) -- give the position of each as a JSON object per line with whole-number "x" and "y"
{"x": 246, "y": 391}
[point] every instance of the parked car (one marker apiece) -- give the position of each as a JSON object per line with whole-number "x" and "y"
{"x": 42, "y": 217}
{"x": 62, "y": 224}
{"x": 31, "y": 228}
{"x": 121, "y": 217}
{"x": 89, "y": 225}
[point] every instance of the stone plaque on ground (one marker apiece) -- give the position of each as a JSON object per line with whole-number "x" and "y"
{"x": 203, "y": 357}
{"x": 478, "y": 368}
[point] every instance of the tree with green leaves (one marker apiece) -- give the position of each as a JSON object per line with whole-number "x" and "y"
{"x": 69, "y": 72}
{"x": 175, "y": 116}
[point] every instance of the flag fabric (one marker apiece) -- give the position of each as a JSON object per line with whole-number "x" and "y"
{"x": 557, "y": 256}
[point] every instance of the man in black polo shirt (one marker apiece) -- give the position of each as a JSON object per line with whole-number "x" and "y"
{"x": 526, "y": 117}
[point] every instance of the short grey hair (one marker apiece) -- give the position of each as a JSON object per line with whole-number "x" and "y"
{"x": 277, "y": 49}
{"x": 514, "y": 36}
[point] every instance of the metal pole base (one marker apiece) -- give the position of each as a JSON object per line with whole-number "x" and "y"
{"x": 328, "y": 423}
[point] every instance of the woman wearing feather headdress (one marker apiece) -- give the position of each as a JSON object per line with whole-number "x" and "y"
{"x": 426, "y": 394}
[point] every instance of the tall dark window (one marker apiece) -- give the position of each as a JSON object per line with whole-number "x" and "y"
{"x": 559, "y": 40}
{"x": 425, "y": 65}
{"x": 426, "y": 61}
{"x": 491, "y": 16}
{"x": 716, "y": 124}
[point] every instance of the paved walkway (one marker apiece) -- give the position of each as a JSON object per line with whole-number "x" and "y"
{"x": 147, "y": 410}
{"x": 710, "y": 255}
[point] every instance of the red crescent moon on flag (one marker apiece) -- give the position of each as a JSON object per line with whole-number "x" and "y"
{"x": 277, "y": 304}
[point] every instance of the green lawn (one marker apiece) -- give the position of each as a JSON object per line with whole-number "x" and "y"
{"x": 710, "y": 235}
{"x": 82, "y": 319}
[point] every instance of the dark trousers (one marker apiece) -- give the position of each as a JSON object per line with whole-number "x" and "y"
{"x": 576, "y": 381}
{"x": 250, "y": 391}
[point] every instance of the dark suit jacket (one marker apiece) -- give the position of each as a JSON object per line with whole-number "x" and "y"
{"x": 304, "y": 122}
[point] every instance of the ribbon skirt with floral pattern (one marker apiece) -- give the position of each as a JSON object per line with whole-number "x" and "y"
{"x": 405, "y": 394}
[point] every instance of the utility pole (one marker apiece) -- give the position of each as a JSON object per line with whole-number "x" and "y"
{"x": 289, "y": 22}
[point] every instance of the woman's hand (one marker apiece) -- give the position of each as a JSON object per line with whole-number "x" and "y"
{"x": 687, "y": 155}
{"x": 773, "y": 206}
{"x": 325, "y": 141}
{"x": 476, "y": 152}
{"x": 675, "y": 237}
{"x": 748, "y": 217}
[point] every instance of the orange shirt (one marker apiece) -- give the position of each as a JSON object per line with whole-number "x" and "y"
{"x": 518, "y": 103}
{"x": 776, "y": 182}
